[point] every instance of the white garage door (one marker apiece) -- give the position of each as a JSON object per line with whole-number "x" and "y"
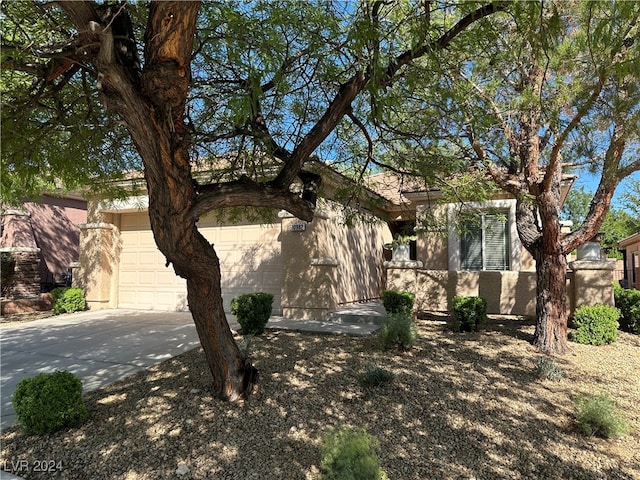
{"x": 249, "y": 257}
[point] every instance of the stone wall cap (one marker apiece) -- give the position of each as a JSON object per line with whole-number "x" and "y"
{"x": 19, "y": 249}
{"x": 97, "y": 225}
{"x": 15, "y": 211}
{"x": 593, "y": 265}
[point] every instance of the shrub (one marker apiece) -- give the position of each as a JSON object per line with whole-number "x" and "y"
{"x": 469, "y": 313}
{"x": 398, "y": 330}
{"x": 350, "y": 454}
{"x": 548, "y": 369}
{"x": 375, "y": 377}
{"x": 598, "y": 415}
{"x": 398, "y": 302}
{"x": 68, "y": 300}
{"x": 253, "y": 311}
{"x": 49, "y": 401}
{"x": 595, "y": 324}
{"x": 628, "y": 302}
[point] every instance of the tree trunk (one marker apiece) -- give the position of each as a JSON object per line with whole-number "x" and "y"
{"x": 195, "y": 260}
{"x": 551, "y": 303}
{"x": 233, "y": 376}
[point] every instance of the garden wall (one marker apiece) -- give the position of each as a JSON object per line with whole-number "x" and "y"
{"x": 506, "y": 292}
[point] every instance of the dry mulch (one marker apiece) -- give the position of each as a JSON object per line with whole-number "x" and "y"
{"x": 461, "y": 406}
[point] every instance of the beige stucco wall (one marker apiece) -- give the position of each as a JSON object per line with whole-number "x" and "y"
{"x": 329, "y": 263}
{"x": 97, "y": 270}
{"x": 593, "y": 282}
{"x": 508, "y": 293}
{"x": 434, "y": 249}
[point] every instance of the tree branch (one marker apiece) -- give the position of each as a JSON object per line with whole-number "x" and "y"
{"x": 246, "y": 192}
{"x": 408, "y": 56}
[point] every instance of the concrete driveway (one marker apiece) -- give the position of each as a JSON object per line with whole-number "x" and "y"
{"x": 100, "y": 347}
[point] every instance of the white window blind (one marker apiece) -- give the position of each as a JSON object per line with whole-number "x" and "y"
{"x": 485, "y": 245}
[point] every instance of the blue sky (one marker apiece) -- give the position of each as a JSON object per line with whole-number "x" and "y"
{"x": 590, "y": 183}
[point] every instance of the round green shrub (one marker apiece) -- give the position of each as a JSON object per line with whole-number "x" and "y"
{"x": 469, "y": 313}
{"x": 628, "y": 302}
{"x": 48, "y": 402}
{"x": 398, "y": 330}
{"x": 68, "y": 300}
{"x": 252, "y": 311}
{"x": 350, "y": 454}
{"x": 398, "y": 302}
{"x": 595, "y": 324}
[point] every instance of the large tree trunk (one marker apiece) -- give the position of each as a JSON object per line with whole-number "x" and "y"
{"x": 171, "y": 197}
{"x": 151, "y": 103}
{"x": 551, "y": 303}
{"x": 551, "y": 269}
{"x": 233, "y": 376}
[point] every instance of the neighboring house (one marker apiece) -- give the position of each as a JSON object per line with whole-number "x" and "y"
{"x": 43, "y": 241}
{"x": 631, "y": 252}
{"x": 312, "y": 268}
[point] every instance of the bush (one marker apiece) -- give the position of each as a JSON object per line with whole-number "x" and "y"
{"x": 628, "y": 302}
{"x": 548, "y": 369}
{"x": 350, "y": 454}
{"x": 469, "y": 313}
{"x": 375, "y": 377}
{"x": 252, "y": 311}
{"x": 49, "y": 401}
{"x": 398, "y": 302}
{"x": 595, "y": 324}
{"x": 398, "y": 330}
{"x": 598, "y": 415}
{"x": 68, "y": 300}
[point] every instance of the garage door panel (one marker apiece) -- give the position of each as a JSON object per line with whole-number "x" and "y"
{"x": 249, "y": 259}
{"x": 271, "y": 279}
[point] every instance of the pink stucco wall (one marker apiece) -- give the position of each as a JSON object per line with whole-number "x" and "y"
{"x": 51, "y": 225}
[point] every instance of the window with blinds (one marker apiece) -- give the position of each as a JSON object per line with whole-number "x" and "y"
{"x": 485, "y": 244}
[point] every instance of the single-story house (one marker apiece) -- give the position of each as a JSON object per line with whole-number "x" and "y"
{"x": 631, "y": 251}
{"x": 41, "y": 241}
{"x": 313, "y": 267}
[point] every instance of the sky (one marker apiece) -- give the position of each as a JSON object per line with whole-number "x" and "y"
{"x": 590, "y": 183}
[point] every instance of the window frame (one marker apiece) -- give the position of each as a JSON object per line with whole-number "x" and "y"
{"x": 505, "y": 206}
{"x": 479, "y": 234}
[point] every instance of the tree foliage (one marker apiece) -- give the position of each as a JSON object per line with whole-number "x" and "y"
{"x": 223, "y": 104}
{"x": 528, "y": 95}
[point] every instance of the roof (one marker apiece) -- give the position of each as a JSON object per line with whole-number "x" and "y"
{"x": 630, "y": 240}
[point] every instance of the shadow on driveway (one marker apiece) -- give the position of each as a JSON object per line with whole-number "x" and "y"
{"x": 100, "y": 347}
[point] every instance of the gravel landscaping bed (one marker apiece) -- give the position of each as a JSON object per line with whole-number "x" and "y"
{"x": 461, "y": 406}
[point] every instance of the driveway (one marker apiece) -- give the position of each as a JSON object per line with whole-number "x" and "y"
{"x": 100, "y": 347}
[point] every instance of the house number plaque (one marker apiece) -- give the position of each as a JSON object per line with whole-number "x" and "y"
{"x": 298, "y": 227}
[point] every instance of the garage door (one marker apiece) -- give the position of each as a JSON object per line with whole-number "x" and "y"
{"x": 249, "y": 257}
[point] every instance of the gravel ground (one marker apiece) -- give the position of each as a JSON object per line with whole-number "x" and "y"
{"x": 462, "y": 406}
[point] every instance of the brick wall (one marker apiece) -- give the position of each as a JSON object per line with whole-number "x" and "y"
{"x": 24, "y": 281}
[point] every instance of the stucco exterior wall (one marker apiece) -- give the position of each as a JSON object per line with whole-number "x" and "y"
{"x": 327, "y": 263}
{"x": 631, "y": 246}
{"x": 97, "y": 269}
{"x": 507, "y": 293}
{"x": 56, "y": 225}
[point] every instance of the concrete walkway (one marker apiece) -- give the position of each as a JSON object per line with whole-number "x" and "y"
{"x": 105, "y": 346}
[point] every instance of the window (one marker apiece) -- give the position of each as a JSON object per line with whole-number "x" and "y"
{"x": 485, "y": 243}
